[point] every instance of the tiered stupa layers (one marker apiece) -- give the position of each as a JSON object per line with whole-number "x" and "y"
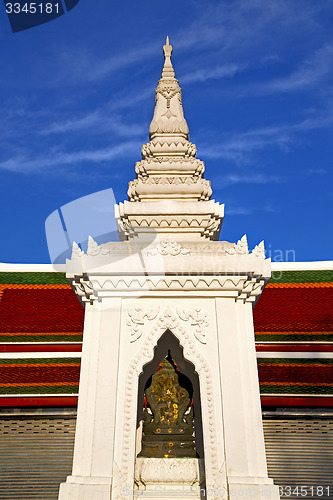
{"x": 169, "y": 170}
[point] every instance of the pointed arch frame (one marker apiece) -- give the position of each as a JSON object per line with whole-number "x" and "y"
{"x": 215, "y": 478}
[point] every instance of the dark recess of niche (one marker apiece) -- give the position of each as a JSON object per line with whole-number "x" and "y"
{"x": 168, "y": 342}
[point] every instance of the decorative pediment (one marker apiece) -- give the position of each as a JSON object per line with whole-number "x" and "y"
{"x": 168, "y": 247}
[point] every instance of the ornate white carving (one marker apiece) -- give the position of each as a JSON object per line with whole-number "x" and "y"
{"x": 178, "y": 222}
{"x": 167, "y": 470}
{"x": 159, "y": 186}
{"x": 198, "y": 320}
{"x": 259, "y": 250}
{"x": 84, "y": 289}
{"x": 219, "y": 480}
{"x": 170, "y": 171}
{"x": 95, "y": 249}
{"x": 76, "y": 251}
{"x": 239, "y": 248}
{"x": 146, "y": 354}
{"x": 168, "y": 320}
{"x": 136, "y": 320}
{"x": 202, "y": 220}
{"x": 118, "y": 483}
{"x": 147, "y": 285}
{"x": 168, "y": 247}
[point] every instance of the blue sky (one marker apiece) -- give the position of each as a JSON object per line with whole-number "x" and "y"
{"x": 257, "y": 80}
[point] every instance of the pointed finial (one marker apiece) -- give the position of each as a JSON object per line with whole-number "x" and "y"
{"x": 168, "y": 71}
{"x": 168, "y": 114}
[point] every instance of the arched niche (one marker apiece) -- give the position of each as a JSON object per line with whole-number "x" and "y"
{"x": 169, "y": 342}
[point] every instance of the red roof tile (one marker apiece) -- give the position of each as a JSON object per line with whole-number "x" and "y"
{"x": 40, "y": 310}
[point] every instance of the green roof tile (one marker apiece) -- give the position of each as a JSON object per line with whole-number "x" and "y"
{"x": 40, "y": 389}
{"x": 302, "y": 277}
{"x": 295, "y": 389}
{"x": 295, "y": 361}
{"x": 20, "y": 278}
{"x": 37, "y": 361}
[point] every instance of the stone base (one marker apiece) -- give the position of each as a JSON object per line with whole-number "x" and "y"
{"x": 85, "y": 488}
{"x": 252, "y": 488}
{"x": 163, "y": 491}
{"x": 162, "y": 478}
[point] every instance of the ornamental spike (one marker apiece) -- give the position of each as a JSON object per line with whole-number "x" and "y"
{"x": 259, "y": 250}
{"x": 76, "y": 250}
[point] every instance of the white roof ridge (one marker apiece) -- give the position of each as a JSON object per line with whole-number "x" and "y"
{"x": 324, "y": 265}
{"x": 32, "y": 268}
{"x": 320, "y": 265}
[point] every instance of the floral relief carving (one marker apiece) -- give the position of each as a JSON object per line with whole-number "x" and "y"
{"x": 136, "y": 320}
{"x": 168, "y": 320}
{"x": 198, "y": 321}
{"x": 239, "y": 248}
{"x": 169, "y": 247}
{"x": 167, "y": 470}
{"x": 95, "y": 249}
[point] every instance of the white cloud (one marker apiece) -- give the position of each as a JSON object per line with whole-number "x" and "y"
{"x": 26, "y": 165}
{"x": 83, "y": 122}
{"x": 309, "y": 73}
{"x": 316, "y": 171}
{"x": 236, "y": 28}
{"x": 95, "y": 121}
{"x": 238, "y": 147}
{"x": 249, "y": 178}
{"x": 234, "y": 209}
{"x": 202, "y": 75}
{"x": 82, "y": 66}
{"x": 239, "y": 210}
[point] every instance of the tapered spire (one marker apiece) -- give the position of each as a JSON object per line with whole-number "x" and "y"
{"x": 170, "y": 172}
{"x": 168, "y": 71}
{"x": 168, "y": 114}
{"x": 169, "y": 154}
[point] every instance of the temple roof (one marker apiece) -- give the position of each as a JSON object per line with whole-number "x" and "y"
{"x": 296, "y": 306}
{"x": 41, "y": 325}
{"x": 38, "y": 307}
